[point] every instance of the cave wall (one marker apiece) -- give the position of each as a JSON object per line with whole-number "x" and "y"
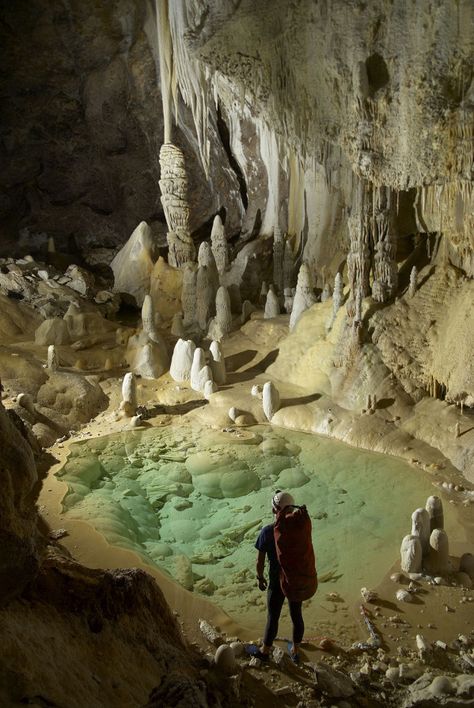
{"x": 82, "y": 125}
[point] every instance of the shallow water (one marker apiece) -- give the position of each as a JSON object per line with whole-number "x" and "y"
{"x": 192, "y": 501}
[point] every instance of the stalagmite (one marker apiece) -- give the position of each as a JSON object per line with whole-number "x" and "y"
{"x": 288, "y": 267}
{"x": 205, "y": 297}
{"x": 337, "y": 295}
{"x": 411, "y": 554}
{"x": 420, "y": 526}
{"x": 177, "y": 327}
{"x": 217, "y": 363}
{"x": 53, "y": 360}
{"x": 150, "y": 362}
{"x": 129, "y": 394}
{"x": 272, "y": 305}
{"x": 189, "y": 294}
{"x": 326, "y": 294}
{"x": 434, "y": 507}
{"x": 304, "y": 296}
{"x": 466, "y": 564}
{"x": 133, "y": 264}
{"x": 413, "y": 281}
{"x": 222, "y": 322}
{"x": 173, "y": 185}
{"x": 288, "y": 300}
{"x": 247, "y": 309}
{"x": 51, "y": 245}
{"x": 278, "y": 248}
{"x": 204, "y": 375}
{"x": 219, "y": 245}
{"x": 263, "y": 294}
{"x": 210, "y": 387}
{"x": 206, "y": 258}
{"x": 148, "y": 316}
{"x": 182, "y": 360}
{"x": 199, "y": 361}
{"x": 270, "y": 400}
{"x": 438, "y": 556}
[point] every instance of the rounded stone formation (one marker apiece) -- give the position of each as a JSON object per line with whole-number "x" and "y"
{"x": 217, "y": 363}
{"x": 182, "y": 359}
{"x": 434, "y": 507}
{"x": 410, "y": 554}
{"x": 270, "y": 400}
{"x": 225, "y": 659}
{"x": 420, "y": 526}
{"x": 438, "y": 557}
{"x": 466, "y": 564}
{"x": 199, "y": 361}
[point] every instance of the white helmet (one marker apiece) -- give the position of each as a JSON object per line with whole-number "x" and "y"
{"x": 280, "y": 500}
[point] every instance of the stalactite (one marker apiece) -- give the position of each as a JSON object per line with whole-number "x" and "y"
{"x": 173, "y": 185}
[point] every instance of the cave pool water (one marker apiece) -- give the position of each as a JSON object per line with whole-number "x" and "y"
{"x": 192, "y": 501}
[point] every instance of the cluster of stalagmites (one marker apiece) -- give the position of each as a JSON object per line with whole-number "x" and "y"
{"x": 204, "y": 373}
{"x": 426, "y": 549}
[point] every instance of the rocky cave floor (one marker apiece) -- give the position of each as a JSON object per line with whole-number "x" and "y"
{"x": 101, "y": 655}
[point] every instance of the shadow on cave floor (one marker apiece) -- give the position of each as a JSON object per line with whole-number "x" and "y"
{"x": 236, "y": 361}
{"x": 287, "y": 402}
{"x": 177, "y": 409}
{"x": 384, "y": 403}
{"x": 259, "y": 368}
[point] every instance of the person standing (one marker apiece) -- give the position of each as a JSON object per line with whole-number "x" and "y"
{"x": 267, "y": 549}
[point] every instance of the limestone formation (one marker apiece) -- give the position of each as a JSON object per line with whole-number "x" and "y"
{"x": 272, "y": 305}
{"x": 199, "y": 361}
{"x": 278, "y": 249}
{"x": 358, "y": 258}
{"x": 304, "y": 296}
{"x": 129, "y": 394}
{"x": 25, "y": 401}
{"x": 263, "y": 294}
{"x": 413, "y": 281}
{"x": 53, "y": 359}
{"x": 337, "y": 296}
{"x": 224, "y": 660}
{"x": 411, "y": 555}
{"x": 189, "y": 295}
{"x": 52, "y": 331}
{"x": 247, "y": 309}
{"x": 210, "y": 387}
{"x": 177, "y": 327}
{"x": 205, "y": 297}
{"x": 420, "y": 526}
{"x": 204, "y": 375}
{"x": 466, "y": 564}
{"x": 222, "y": 322}
{"x": 133, "y": 264}
{"x": 288, "y": 267}
{"x": 174, "y": 186}
{"x": 288, "y": 298}
{"x": 206, "y": 258}
{"x": 217, "y": 363}
{"x": 434, "y": 507}
{"x": 385, "y": 265}
{"x": 270, "y": 400}
{"x": 219, "y": 245}
{"x": 182, "y": 359}
{"x": 150, "y": 360}
{"x": 148, "y": 316}
{"x": 437, "y": 562}
{"x": 326, "y": 293}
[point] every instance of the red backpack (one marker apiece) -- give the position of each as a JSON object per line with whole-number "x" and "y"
{"x": 294, "y": 547}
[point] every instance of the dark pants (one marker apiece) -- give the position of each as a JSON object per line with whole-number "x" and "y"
{"x": 275, "y": 600}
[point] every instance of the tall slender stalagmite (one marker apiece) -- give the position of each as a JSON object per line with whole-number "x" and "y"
{"x": 358, "y": 258}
